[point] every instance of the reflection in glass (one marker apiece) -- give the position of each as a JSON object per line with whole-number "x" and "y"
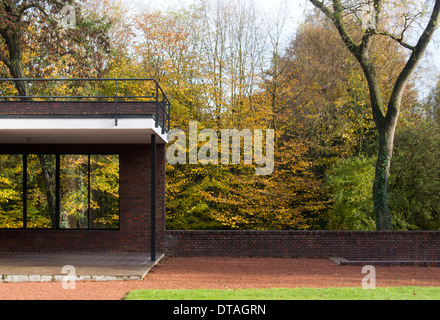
{"x": 48, "y": 191}
{"x": 74, "y": 187}
{"x": 104, "y": 191}
{"x": 11, "y": 191}
{"x": 41, "y": 186}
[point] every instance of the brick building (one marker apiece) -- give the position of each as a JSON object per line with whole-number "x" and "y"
{"x": 83, "y": 166}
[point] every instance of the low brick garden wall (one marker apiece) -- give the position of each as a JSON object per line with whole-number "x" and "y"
{"x": 352, "y": 245}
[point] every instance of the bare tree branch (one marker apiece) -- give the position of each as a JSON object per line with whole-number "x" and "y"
{"x": 414, "y": 59}
{"x": 398, "y": 39}
{"x": 337, "y": 18}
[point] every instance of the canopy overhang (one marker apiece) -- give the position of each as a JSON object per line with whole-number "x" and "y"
{"x": 80, "y": 131}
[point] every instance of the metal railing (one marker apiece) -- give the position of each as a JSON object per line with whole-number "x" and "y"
{"x": 112, "y": 90}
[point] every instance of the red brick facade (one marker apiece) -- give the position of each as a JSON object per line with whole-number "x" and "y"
{"x": 352, "y": 245}
{"x": 76, "y": 108}
{"x": 134, "y": 219}
{"x": 134, "y": 233}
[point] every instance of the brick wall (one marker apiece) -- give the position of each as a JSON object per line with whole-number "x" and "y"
{"x": 134, "y": 231}
{"x": 75, "y": 108}
{"x": 369, "y": 245}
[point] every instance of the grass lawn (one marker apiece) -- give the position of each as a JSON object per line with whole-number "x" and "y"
{"x": 395, "y": 293}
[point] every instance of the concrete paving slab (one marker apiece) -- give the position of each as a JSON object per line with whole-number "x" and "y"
{"x": 338, "y": 260}
{"x": 39, "y": 267}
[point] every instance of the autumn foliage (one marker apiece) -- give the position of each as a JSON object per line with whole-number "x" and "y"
{"x": 226, "y": 65}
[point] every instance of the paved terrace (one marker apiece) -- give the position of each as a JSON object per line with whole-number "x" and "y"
{"x": 41, "y": 267}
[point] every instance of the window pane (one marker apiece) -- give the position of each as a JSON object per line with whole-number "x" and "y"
{"x": 104, "y": 191}
{"x": 74, "y": 177}
{"x": 41, "y": 197}
{"x": 11, "y": 191}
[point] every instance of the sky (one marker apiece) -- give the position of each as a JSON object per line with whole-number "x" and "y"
{"x": 297, "y": 8}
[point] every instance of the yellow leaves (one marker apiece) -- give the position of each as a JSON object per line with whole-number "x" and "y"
{"x": 11, "y": 208}
{"x": 232, "y": 197}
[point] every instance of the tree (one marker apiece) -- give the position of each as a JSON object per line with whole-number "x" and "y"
{"x": 211, "y": 57}
{"x": 415, "y": 176}
{"x": 33, "y": 41}
{"x": 347, "y": 16}
{"x": 349, "y": 181}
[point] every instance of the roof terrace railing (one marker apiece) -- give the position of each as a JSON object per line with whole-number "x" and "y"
{"x": 112, "y": 90}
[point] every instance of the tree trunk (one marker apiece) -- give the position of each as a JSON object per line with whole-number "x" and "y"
{"x": 380, "y": 187}
{"x": 15, "y": 64}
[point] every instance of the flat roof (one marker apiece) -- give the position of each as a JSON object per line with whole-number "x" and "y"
{"x": 78, "y": 130}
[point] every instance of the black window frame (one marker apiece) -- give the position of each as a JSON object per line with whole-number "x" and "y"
{"x": 58, "y": 192}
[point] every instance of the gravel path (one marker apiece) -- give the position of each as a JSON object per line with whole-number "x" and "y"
{"x": 227, "y": 273}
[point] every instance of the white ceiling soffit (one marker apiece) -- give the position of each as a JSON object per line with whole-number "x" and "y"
{"x": 78, "y": 131}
